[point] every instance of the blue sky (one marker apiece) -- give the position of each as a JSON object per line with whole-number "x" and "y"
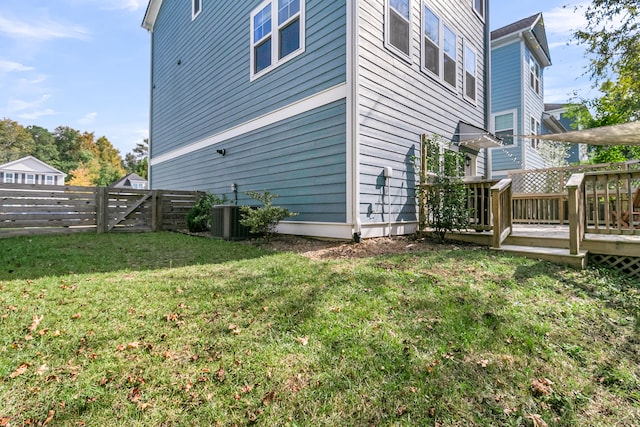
{"x": 85, "y": 63}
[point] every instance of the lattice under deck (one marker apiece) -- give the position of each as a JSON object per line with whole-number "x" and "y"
{"x": 626, "y": 264}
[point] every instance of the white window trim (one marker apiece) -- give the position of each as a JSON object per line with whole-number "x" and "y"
{"x": 515, "y": 124}
{"x": 387, "y": 41}
{"x": 466, "y": 45}
{"x": 8, "y": 180}
{"x": 29, "y": 178}
{"x": 441, "y": 54}
{"x": 532, "y": 65}
{"x": 195, "y": 14}
{"x": 48, "y": 178}
{"x": 480, "y": 13}
{"x": 275, "y": 37}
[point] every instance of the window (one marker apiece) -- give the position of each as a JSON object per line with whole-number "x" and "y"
{"x": 534, "y": 74}
{"x": 504, "y": 126}
{"x": 9, "y": 177}
{"x": 30, "y": 179}
{"x": 535, "y": 130}
{"x": 470, "y": 73}
{"x": 478, "y": 7}
{"x": 439, "y": 47}
{"x": 50, "y": 180}
{"x": 196, "y": 8}
{"x": 399, "y": 25}
{"x": 277, "y": 34}
{"x": 138, "y": 185}
{"x": 431, "y": 45}
{"x": 449, "y": 62}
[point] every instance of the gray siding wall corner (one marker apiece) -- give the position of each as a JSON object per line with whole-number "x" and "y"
{"x": 398, "y": 102}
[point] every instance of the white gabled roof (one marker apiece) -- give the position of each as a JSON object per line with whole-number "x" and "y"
{"x": 30, "y": 164}
{"x": 152, "y": 13}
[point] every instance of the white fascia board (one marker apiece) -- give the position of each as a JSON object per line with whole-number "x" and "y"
{"x": 152, "y": 13}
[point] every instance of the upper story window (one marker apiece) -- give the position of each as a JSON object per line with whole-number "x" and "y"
{"x": 277, "y": 34}
{"x": 399, "y": 25}
{"x": 535, "y": 130}
{"x": 503, "y": 125}
{"x": 478, "y": 7}
{"x": 470, "y": 73}
{"x": 196, "y": 8}
{"x": 9, "y": 177}
{"x": 534, "y": 74}
{"x": 439, "y": 47}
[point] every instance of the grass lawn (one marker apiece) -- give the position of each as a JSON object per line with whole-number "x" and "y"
{"x": 171, "y": 330}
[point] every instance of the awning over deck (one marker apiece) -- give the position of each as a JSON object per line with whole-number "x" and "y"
{"x": 624, "y": 134}
{"x": 475, "y": 138}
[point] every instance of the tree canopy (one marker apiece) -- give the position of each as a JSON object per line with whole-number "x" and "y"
{"x": 612, "y": 40}
{"x": 85, "y": 159}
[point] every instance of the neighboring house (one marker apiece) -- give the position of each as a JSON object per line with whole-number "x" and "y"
{"x": 29, "y": 170}
{"x": 577, "y": 152}
{"x": 132, "y": 180}
{"x": 320, "y": 102}
{"x": 519, "y": 55}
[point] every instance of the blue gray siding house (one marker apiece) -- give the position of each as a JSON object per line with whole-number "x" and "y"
{"x": 519, "y": 55}
{"x": 314, "y": 101}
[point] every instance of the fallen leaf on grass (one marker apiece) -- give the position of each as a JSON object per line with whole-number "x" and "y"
{"x": 135, "y": 395}
{"x": 221, "y": 374}
{"x": 35, "y": 322}
{"x": 76, "y": 316}
{"x": 42, "y": 369}
{"x": 49, "y": 417}
{"x": 246, "y": 388}
{"x": 483, "y": 363}
{"x": 21, "y": 370}
{"x": 303, "y": 340}
{"x": 234, "y": 328}
{"x": 4, "y": 421}
{"x": 401, "y": 410}
{"x": 537, "y": 420}
{"x": 541, "y": 386}
{"x": 268, "y": 398}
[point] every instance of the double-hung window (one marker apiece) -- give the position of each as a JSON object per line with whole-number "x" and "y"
{"x": 196, "y": 8}
{"x": 50, "y": 180}
{"x": 503, "y": 124}
{"x": 399, "y": 25}
{"x": 470, "y": 73}
{"x": 9, "y": 177}
{"x": 478, "y": 7}
{"x": 439, "y": 47}
{"x": 535, "y": 130}
{"x": 30, "y": 178}
{"x": 534, "y": 74}
{"x": 277, "y": 34}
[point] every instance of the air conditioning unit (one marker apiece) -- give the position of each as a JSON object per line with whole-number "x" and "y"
{"x": 225, "y": 223}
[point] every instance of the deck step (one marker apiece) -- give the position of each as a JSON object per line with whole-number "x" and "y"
{"x": 561, "y": 242}
{"x": 556, "y": 255}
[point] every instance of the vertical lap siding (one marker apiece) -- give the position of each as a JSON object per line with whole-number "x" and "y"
{"x": 398, "y": 102}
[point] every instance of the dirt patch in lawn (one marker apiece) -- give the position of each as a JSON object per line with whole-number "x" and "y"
{"x": 339, "y": 249}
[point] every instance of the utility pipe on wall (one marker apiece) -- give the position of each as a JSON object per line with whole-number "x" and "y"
{"x": 388, "y": 173}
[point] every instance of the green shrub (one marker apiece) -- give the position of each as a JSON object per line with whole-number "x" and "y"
{"x": 199, "y": 217}
{"x": 263, "y": 220}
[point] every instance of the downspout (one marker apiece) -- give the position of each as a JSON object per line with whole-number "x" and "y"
{"x": 487, "y": 87}
{"x": 151, "y": 89}
{"x": 353, "y": 147}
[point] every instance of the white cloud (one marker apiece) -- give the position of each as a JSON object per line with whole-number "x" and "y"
{"x": 44, "y": 29}
{"x": 563, "y": 21}
{"x": 20, "y": 105}
{"x": 10, "y": 66}
{"x": 88, "y": 118}
{"x": 130, "y": 5}
{"x": 35, "y": 115}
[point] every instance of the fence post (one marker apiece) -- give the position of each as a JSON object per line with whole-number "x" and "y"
{"x": 157, "y": 210}
{"x": 102, "y": 210}
{"x": 422, "y": 214}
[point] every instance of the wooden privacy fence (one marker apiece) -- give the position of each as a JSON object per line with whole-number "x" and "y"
{"x": 46, "y": 209}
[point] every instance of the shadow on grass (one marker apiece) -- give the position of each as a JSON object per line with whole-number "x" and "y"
{"x": 42, "y": 256}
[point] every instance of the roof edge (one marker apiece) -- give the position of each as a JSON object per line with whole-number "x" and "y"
{"x": 151, "y": 14}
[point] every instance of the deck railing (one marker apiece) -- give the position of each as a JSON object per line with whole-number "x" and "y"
{"x": 501, "y": 209}
{"x": 575, "y": 189}
{"x": 611, "y": 202}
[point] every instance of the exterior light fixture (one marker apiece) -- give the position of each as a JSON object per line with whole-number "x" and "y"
{"x": 221, "y": 151}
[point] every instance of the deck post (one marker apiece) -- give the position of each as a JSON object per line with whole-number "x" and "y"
{"x": 422, "y": 214}
{"x": 574, "y": 188}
